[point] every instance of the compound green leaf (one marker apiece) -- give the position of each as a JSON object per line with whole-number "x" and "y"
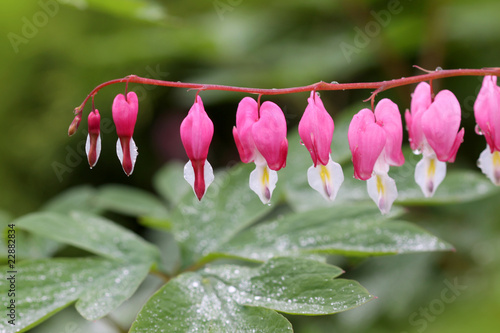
{"x": 290, "y": 285}
{"x": 44, "y": 287}
{"x": 169, "y": 182}
{"x": 349, "y": 230}
{"x": 89, "y": 232}
{"x": 194, "y": 303}
{"x": 81, "y": 198}
{"x": 232, "y": 298}
{"x": 228, "y": 207}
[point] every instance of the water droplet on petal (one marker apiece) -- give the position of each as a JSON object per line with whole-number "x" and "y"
{"x": 478, "y": 130}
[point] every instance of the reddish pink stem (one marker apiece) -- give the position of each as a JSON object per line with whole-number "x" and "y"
{"x": 378, "y": 86}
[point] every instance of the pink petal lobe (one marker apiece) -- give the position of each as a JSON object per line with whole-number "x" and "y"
{"x": 366, "y": 141}
{"x": 125, "y": 113}
{"x": 454, "y": 149}
{"x": 487, "y": 111}
{"x": 440, "y": 125}
{"x": 316, "y": 130}
{"x": 389, "y": 118}
{"x": 247, "y": 115}
{"x": 196, "y": 132}
{"x": 420, "y": 102}
{"x": 269, "y": 134}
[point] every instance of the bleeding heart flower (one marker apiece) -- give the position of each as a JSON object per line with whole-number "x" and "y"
{"x": 260, "y": 136}
{"x": 125, "y": 115}
{"x": 375, "y": 142}
{"x": 487, "y": 113}
{"x": 433, "y": 129}
{"x": 197, "y": 131}
{"x": 316, "y": 132}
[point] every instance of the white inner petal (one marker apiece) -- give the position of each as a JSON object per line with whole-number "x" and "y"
{"x": 326, "y": 179}
{"x": 208, "y": 173}
{"x": 263, "y": 182}
{"x": 133, "y": 153}
{"x": 87, "y": 146}
{"x": 189, "y": 173}
{"x": 97, "y": 149}
{"x": 429, "y": 173}
{"x": 382, "y": 189}
{"x": 490, "y": 165}
{"x": 119, "y": 152}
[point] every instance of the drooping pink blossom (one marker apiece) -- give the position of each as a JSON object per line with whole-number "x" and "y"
{"x": 93, "y": 145}
{"x": 196, "y": 134}
{"x": 260, "y": 136}
{"x": 316, "y": 131}
{"x": 125, "y": 116}
{"x": 487, "y": 114}
{"x": 433, "y": 127}
{"x": 435, "y": 122}
{"x": 375, "y": 141}
{"x": 366, "y": 142}
{"x": 269, "y": 135}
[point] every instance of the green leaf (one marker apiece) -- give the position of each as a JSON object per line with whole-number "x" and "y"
{"x": 92, "y": 233}
{"x": 82, "y": 198}
{"x": 228, "y": 207}
{"x": 169, "y": 182}
{"x": 130, "y": 201}
{"x": 231, "y": 298}
{"x": 290, "y": 285}
{"x": 134, "y": 9}
{"x": 44, "y": 287}
{"x": 194, "y": 303}
{"x": 349, "y": 230}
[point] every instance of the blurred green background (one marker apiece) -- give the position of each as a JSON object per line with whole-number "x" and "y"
{"x": 54, "y": 52}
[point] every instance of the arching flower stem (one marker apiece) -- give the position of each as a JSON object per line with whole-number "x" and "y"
{"x": 318, "y": 86}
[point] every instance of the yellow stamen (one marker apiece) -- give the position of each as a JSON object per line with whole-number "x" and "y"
{"x": 496, "y": 159}
{"x": 380, "y": 186}
{"x": 265, "y": 177}
{"x": 324, "y": 174}
{"x": 432, "y": 168}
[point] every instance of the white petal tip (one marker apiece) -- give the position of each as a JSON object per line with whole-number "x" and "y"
{"x": 383, "y": 191}
{"x": 326, "y": 179}
{"x": 489, "y": 163}
{"x": 263, "y": 182}
{"x": 429, "y": 173}
{"x": 208, "y": 177}
{"x": 97, "y": 151}
{"x": 132, "y": 153}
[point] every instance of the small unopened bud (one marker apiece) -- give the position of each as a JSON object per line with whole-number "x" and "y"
{"x": 93, "y": 145}
{"x": 74, "y": 124}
